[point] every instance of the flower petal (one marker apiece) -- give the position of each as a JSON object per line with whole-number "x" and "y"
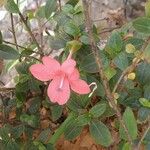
{"x": 80, "y": 86}
{"x": 51, "y": 63}
{"x": 40, "y": 72}
{"x": 56, "y": 94}
{"x": 75, "y": 75}
{"x": 68, "y": 66}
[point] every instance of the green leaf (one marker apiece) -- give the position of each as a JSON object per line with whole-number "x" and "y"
{"x": 72, "y": 130}
{"x": 84, "y": 39}
{"x": 11, "y": 6}
{"x": 44, "y": 135}
{"x": 100, "y": 133}
{"x": 89, "y": 65}
{"x": 146, "y": 91}
{"x": 50, "y": 7}
{"x": 34, "y": 105}
{"x": 56, "y": 42}
{"x": 147, "y": 9}
{"x": 142, "y": 25}
{"x": 7, "y": 52}
{"x": 77, "y": 103}
{"x": 56, "y": 111}
{"x": 4, "y": 131}
{"x": 143, "y": 114}
{"x": 72, "y": 29}
{"x": 121, "y": 61}
{"x": 143, "y": 73}
{"x": 83, "y": 120}
{"x": 114, "y": 44}
{"x": 130, "y": 123}
{"x": 109, "y": 72}
{"x": 98, "y": 110}
{"x": 127, "y": 146}
{"x": 17, "y": 131}
{"x": 145, "y": 102}
{"x": 73, "y": 2}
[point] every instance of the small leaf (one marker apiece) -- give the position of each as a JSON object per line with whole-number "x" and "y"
{"x": 100, "y": 133}
{"x": 127, "y": 146}
{"x": 142, "y": 25}
{"x": 73, "y": 2}
{"x": 109, "y": 72}
{"x": 130, "y": 48}
{"x": 143, "y": 114}
{"x": 114, "y": 44}
{"x": 147, "y": 9}
{"x": 72, "y": 130}
{"x": 143, "y": 73}
{"x": 121, "y": 61}
{"x": 7, "y": 52}
{"x": 145, "y": 102}
{"x": 56, "y": 111}
{"x": 17, "y": 131}
{"x": 44, "y": 136}
{"x": 11, "y": 6}
{"x": 98, "y": 110}
{"x": 89, "y": 65}
{"x": 72, "y": 29}
{"x": 50, "y": 7}
{"x": 83, "y": 120}
{"x": 130, "y": 123}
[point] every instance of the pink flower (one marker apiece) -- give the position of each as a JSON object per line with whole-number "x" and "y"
{"x": 63, "y": 78}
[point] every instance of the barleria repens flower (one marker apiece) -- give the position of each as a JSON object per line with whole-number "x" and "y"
{"x": 64, "y": 77}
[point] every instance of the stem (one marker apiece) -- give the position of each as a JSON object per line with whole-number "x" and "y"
{"x": 101, "y": 70}
{"x": 61, "y": 129}
{"x": 142, "y": 138}
{"x": 13, "y": 31}
{"x": 30, "y": 32}
{"x": 59, "y": 1}
{"x": 7, "y": 42}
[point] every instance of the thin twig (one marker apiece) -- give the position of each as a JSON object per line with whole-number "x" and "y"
{"x": 132, "y": 66}
{"x": 13, "y": 31}
{"x": 7, "y": 42}
{"x": 59, "y": 1}
{"x": 144, "y": 135}
{"x": 109, "y": 30}
{"x": 4, "y": 89}
{"x": 30, "y": 32}
{"x": 101, "y": 70}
